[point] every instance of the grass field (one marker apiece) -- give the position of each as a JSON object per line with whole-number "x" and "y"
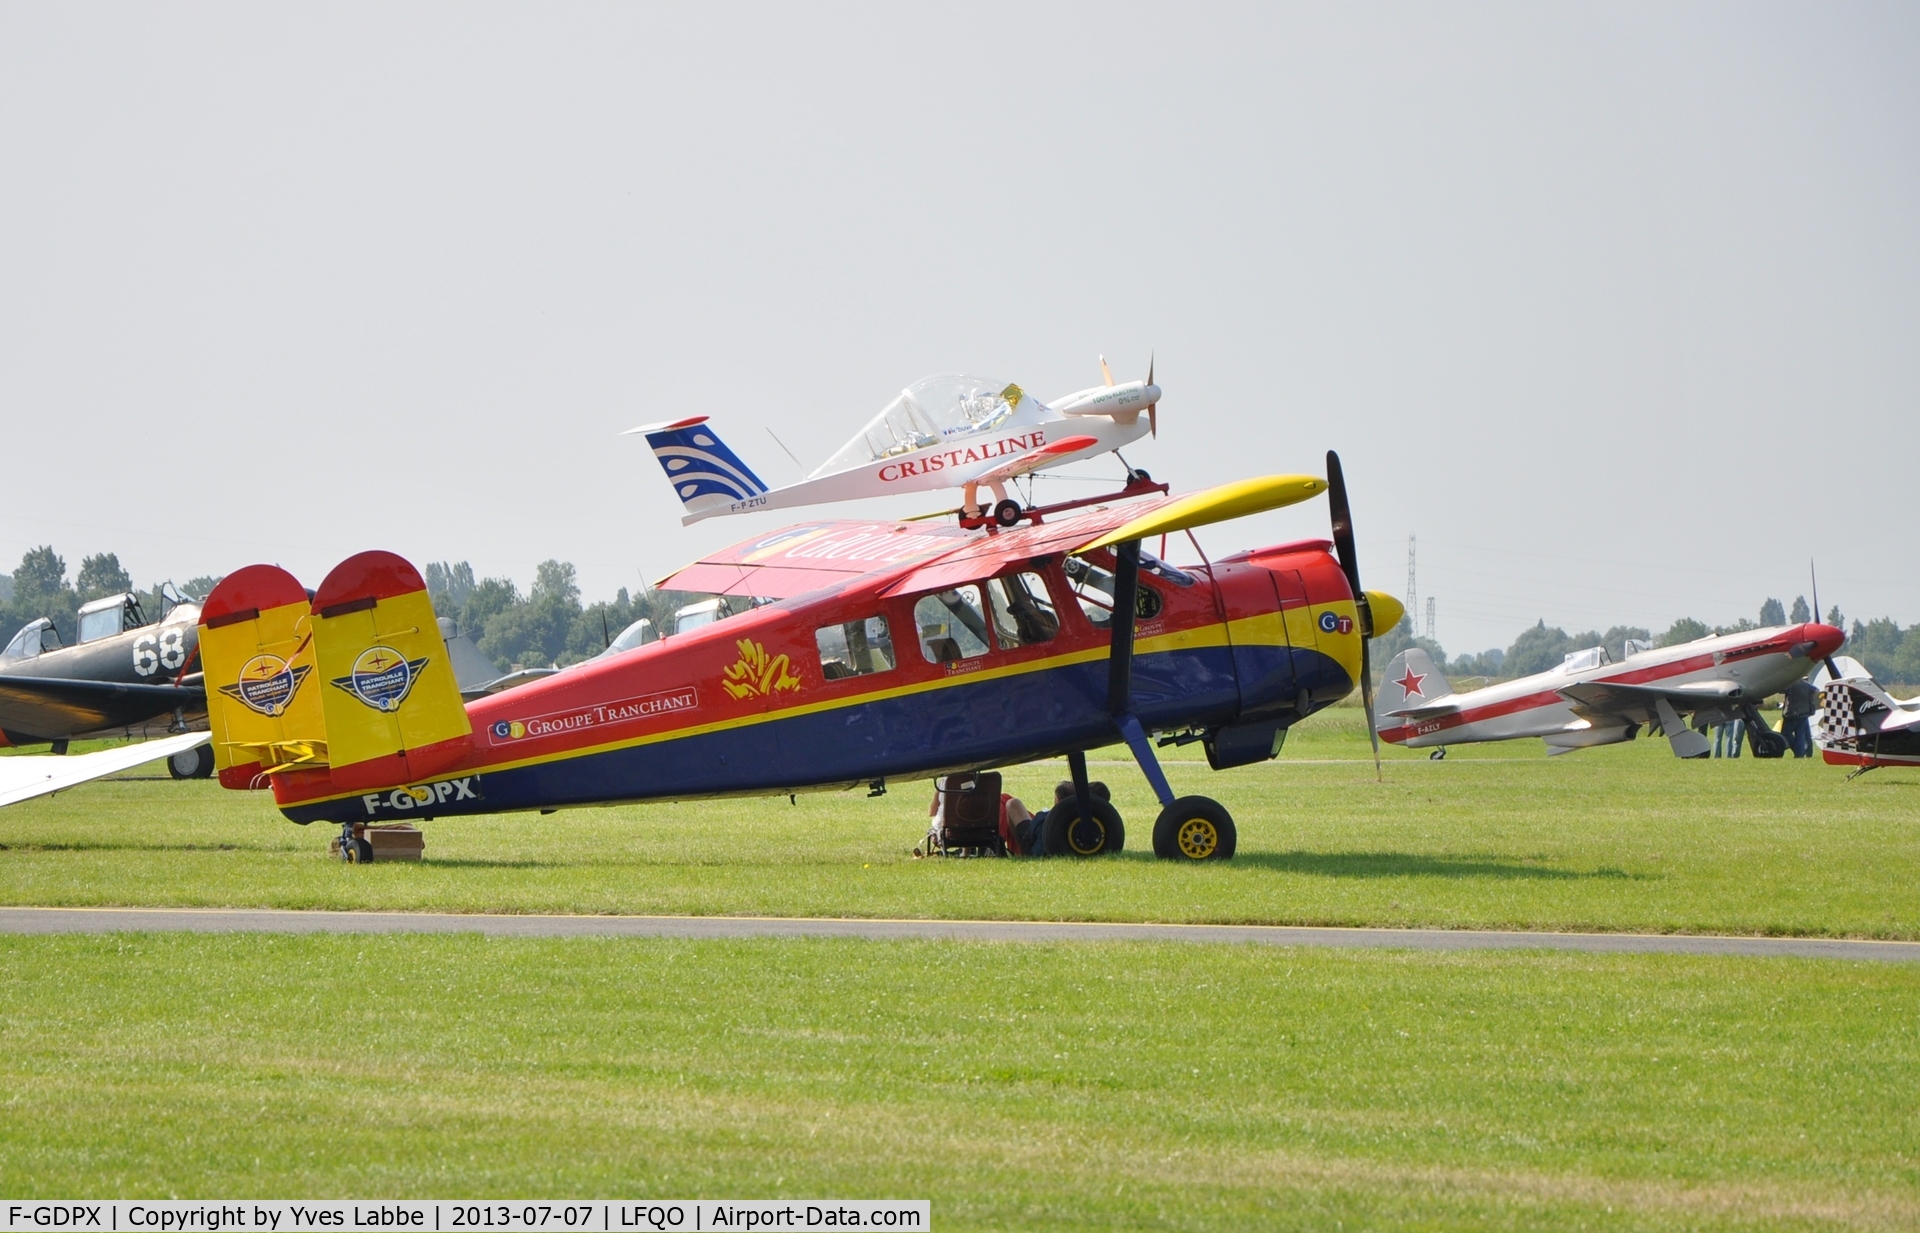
{"x": 1038, "y": 1086}
{"x": 1112, "y": 1086}
{"x": 1625, "y": 838}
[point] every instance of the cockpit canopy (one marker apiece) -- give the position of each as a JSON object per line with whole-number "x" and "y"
{"x": 926, "y": 413}
{"x": 34, "y": 637}
{"x": 1581, "y": 661}
{"x": 110, "y": 615}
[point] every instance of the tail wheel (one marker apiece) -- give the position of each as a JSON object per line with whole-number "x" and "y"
{"x": 195, "y": 763}
{"x": 1194, "y": 828}
{"x": 1007, "y": 513}
{"x": 1101, "y": 833}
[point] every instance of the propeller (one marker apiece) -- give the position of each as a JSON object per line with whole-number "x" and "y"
{"x": 1106, "y": 372}
{"x": 1153, "y": 409}
{"x": 1833, "y": 673}
{"x": 1350, "y": 565}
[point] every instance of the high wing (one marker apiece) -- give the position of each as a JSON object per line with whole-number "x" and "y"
{"x": 1605, "y": 699}
{"x": 25, "y": 776}
{"x": 813, "y": 555}
{"x": 55, "y": 706}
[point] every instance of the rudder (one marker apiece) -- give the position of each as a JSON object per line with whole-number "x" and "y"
{"x": 391, "y": 703}
{"x": 1411, "y": 680}
{"x": 257, "y": 653}
{"x": 707, "y": 476}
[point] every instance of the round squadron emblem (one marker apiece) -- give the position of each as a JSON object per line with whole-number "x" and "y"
{"x": 382, "y": 677}
{"x": 266, "y": 684}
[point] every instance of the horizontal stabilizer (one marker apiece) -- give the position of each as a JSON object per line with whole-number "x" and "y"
{"x": 23, "y": 777}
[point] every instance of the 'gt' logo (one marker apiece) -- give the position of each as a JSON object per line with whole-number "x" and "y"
{"x": 1333, "y": 622}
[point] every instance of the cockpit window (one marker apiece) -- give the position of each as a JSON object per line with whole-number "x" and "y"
{"x": 1580, "y": 661}
{"x": 34, "y": 637}
{"x": 926, "y": 413}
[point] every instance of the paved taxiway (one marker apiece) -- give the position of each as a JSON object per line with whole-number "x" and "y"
{"x": 259, "y": 920}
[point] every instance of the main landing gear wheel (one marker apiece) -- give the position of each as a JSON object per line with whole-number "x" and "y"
{"x": 1194, "y": 828}
{"x": 195, "y": 763}
{"x": 1068, "y": 834}
{"x": 1438, "y": 755}
{"x": 1007, "y": 513}
{"x": 357, "y": 852}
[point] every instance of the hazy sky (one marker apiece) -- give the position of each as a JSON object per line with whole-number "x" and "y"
{"x": 1616, "y": 307}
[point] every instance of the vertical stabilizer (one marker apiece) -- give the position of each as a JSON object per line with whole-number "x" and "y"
{"x": 263, "y": 704}
{"x": 1411, "y": 680}
{"x": 392, "y": 705}
{"x": 707, "y": 476}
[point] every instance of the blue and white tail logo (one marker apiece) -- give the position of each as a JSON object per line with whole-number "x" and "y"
{"x": 707, "y": 475}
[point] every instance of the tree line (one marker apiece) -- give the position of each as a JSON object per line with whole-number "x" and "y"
{"x": 548, "y": 623}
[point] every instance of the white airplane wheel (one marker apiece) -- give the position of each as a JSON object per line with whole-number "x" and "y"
{"x": 195, "y": 763}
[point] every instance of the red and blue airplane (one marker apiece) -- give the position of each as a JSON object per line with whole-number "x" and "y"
{"x": 873, "y": 651}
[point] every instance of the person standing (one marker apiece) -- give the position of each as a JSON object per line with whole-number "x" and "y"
{"x": 1797, "y": 715}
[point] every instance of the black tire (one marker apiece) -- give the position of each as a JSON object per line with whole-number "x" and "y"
{"x": 1102, "y": 834}
{"x": 195, "y": 763}
{"x": 1195, "y": 828}
{"x": 1007, "y": 513}
{"x": 1769, "y": 744}
{"x": 1438, "y": 755}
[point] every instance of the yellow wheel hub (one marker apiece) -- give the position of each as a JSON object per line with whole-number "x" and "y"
{"x": 1198, "y": 838}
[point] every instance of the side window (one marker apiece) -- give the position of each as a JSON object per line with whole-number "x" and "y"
{"x": 1093, "y": 588}
{"x": 952, "y": 625}
{"x": 854, "y": 648}
{"x": 1022, "y": 611}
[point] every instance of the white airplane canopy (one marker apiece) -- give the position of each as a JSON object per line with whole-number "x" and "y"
{"x": 925, "y": 413}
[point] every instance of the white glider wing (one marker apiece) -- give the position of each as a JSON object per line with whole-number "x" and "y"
{"x": 25, "y": 776}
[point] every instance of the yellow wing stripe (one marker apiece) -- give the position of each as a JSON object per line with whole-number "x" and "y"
{"x": 1235, "y": 500}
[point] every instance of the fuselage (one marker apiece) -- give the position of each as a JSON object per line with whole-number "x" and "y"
{"x": 1759, "y": 663}
{"x": 163, "y": 653}
{"x": 852, "y": 684}
{"x": 963, "y": 456}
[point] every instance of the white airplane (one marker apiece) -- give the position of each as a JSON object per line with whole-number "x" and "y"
{"x": 1589, "y": 700}
{"x": 1860, "y": 724}
{"x": 944, "y": 431}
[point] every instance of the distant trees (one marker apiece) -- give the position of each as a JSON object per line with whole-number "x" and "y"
{"x": 1686, "y": 629}
{"x": 548, "y": 625}
{"x": 1773, "y": 612}
{"x": 1801, "y": 614}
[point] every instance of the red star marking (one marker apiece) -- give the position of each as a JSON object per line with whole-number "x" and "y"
{"x": 1411, "y": 682}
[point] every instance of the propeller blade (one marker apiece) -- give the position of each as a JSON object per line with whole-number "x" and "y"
{"x": 1350, "y": 565}
{"x": 1105, "y": 371}
{"x": 1153, "y": 409}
